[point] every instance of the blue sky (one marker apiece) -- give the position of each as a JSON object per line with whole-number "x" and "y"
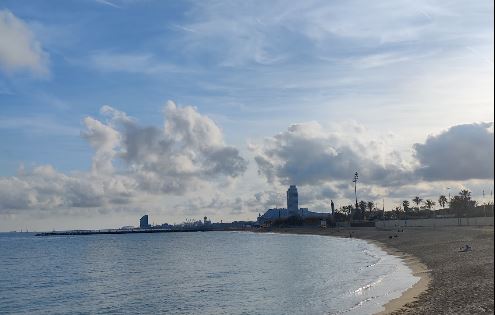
{"x": 389, "y": 73}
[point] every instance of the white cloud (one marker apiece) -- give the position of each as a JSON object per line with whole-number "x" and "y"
{"x": 273, "y": 32}
{"x": 189, "y": 148}
{"x": 109, "y": 3}
{"x": 104, "y": 140}
{"x": 19, "y": 49}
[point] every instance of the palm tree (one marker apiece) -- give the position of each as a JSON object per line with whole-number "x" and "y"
{"x": 371, "y": 205}
{"x": 362, "y": 207}
{"x": 405, "y": 204}
{"x": 397, "y": 212}
{"x": 347, "y": 210}
{"x": 417, "y": 201}
{"x": 462, "y": 203}
{"x": 442, "y": 201}
{"x": 465, "y": 194}
{"x": 429, "y": 203}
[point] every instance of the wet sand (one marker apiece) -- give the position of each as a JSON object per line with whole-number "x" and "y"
{"x": 452, "y": 282}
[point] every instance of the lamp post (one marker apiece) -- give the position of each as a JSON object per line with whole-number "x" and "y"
{"x": 484, "y": 203}
{"x": 448, "y": 189}
{"x": 355, "y": 187}
{"x": 383, "y": 209}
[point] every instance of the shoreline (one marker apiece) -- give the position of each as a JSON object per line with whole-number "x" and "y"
{"x": 418, "y": 269}
{"x": 450, "y": 281}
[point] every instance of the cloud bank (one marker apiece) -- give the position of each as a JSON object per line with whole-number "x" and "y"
{"x": 462, "y": 152}
{"x": 133, "y": 163}
{"x": 323, "y": 162}
{"x": 306, "y": 154}
{"x": 188, "y": 152}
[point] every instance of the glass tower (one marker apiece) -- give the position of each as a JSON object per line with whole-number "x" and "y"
{"x": 292, "y": 201}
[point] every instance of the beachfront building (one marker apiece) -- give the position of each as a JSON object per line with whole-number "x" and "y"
{"x": 143, "y": 222}
{"x": 274, "y": 214}
{"x": 206, "y": 221}
{"x": 292, "y": 209}
{"x": 292, "y": 200}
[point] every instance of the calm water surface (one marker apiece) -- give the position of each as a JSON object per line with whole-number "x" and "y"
{"x": 196, "y": 273}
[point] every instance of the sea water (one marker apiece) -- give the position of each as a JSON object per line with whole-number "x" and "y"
{"x": 196, "y": 273}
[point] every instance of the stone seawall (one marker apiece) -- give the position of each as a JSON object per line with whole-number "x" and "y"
{"x": 478, "y": 221}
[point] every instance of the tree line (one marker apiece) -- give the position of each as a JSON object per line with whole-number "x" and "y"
{"x": 460, "y": 205}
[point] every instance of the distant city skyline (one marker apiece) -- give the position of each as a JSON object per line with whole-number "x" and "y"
{"x": 111, "y": 109}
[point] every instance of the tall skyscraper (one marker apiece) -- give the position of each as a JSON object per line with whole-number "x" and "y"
{"x": 292, "y": 201}
{"x": 143, "y": 222}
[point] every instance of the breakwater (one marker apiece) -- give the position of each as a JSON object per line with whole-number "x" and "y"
{"x": 118, "y": 231}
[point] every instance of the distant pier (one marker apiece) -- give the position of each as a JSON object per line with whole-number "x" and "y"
{"x": 117, "y": 231}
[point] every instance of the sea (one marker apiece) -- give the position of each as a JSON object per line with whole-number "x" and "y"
{"x": 196, "y": 273}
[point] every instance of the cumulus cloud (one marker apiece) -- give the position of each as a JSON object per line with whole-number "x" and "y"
{"x": 19, "y": 49}
{"x": 462, "y": 152}
{"x": 189, "y": 151}
{"x": 104, "y": 139}
{"x": 189, "y": 148}
{"x": 306, "y": 154}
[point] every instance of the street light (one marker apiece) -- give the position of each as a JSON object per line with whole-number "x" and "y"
{"x": 355, "y": 189}
{"x": 484, "y": 203}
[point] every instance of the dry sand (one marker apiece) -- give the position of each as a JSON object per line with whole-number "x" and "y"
{"x": 452, "y": 282}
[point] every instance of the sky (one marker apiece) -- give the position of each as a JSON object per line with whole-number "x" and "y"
{"x": 111, "y": 109}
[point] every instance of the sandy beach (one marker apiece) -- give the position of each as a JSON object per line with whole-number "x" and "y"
{"x": 452, "y": 282}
